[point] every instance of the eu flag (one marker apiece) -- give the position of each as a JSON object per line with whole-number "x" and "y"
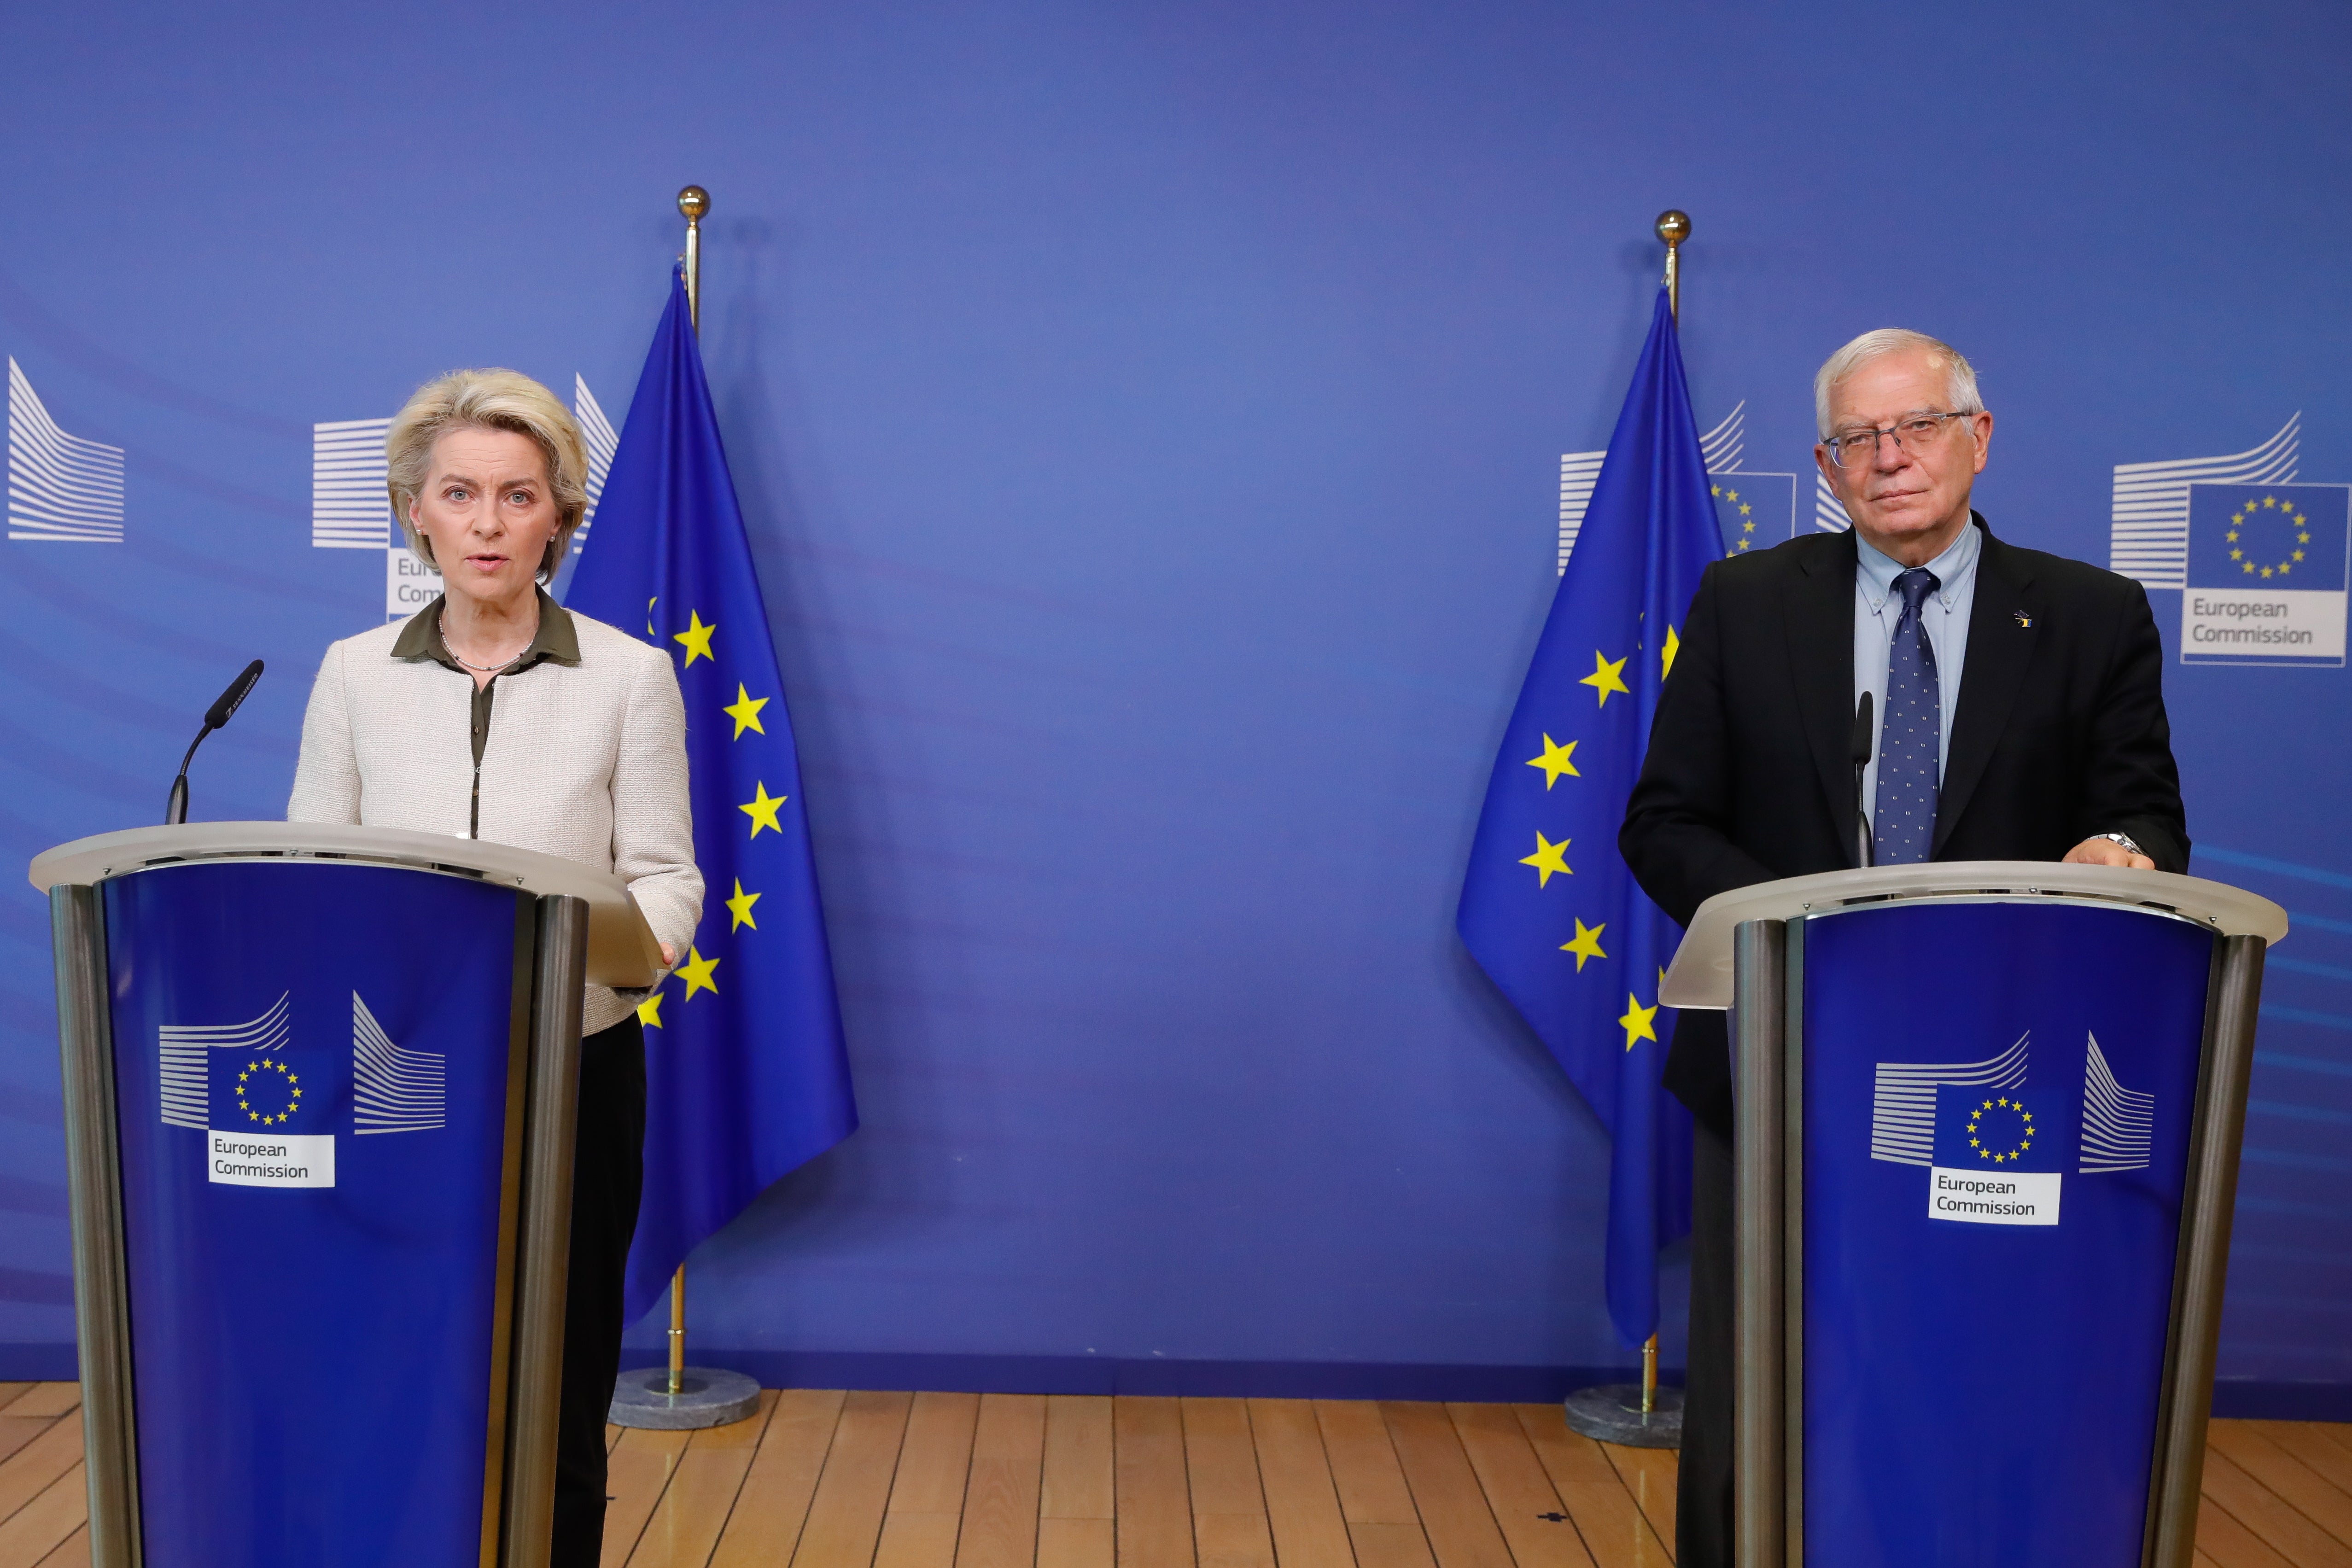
{"x": 1548, "y": 907}
{"x": 745, "y": 1073}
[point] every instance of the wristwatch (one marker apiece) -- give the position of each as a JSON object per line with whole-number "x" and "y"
{"x": 2126, "y": 839}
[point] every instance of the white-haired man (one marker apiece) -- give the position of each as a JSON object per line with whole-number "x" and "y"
{"x": 2019, "y": 712}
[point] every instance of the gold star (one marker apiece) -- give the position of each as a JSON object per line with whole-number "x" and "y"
{"x": 1586, "y": 944}
{"x": 1988, "y": 1105}
{"x": 1731, "y": 494}
{"x": 1556, "y": 761}
{"x": 1744, "y": 510}
{"x": 762, "y": 810}
{"x": 649, "y": 1011}
{"x": 1715, "y": 490}
{"x": 2233, "y": 534}
{"x": 2298, "y": 555}
{"x": 1636, "y": 1021}
{"x": 1673, "y": 645}
{"x": 740, "y": 907}
{"x": 2267, "y": 571}
{"x": 1975, "y": 1144}
{"x": 2270, "y": 500}
{"x": 2237, "y": 554}
{"x": 1741, "y": 544}
{"x": 1605, "y": 678}
{"x": 697, "y": 638}
{"x": 1746, "y": 528}
{"x": 2027, "y": 1114}
{"x": 745, "y": 711}
{"x": 695, "y": 972}
{"x": 2004, "y": 1102}
{"x": 2302, "y": 539}
{"x": 2250, "y": 568}
{"x": 1546, "y": 859}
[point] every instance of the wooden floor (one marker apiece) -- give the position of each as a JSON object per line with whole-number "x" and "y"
{"x": 827, "y": 1480}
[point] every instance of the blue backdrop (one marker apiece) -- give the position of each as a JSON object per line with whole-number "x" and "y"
{"x": 1150, "y": 424}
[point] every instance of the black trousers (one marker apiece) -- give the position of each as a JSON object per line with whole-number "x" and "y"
{"x": 607, "y": 1177}
{"x": 1703, "y": 1502}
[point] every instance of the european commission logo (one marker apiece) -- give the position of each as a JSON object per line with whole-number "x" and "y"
{"x": 267, "y": 1108}
{"x": 351, "y": 509}
{"x": 61, "y": 488}
{"x": 1754, "y": 510}
{"x": 1998, "y": 1148}
{"x": 2260, "y": 559}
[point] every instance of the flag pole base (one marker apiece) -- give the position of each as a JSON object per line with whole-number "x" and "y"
{"x": 708, "y": 1397}
{"x": 1612, "y": 1413}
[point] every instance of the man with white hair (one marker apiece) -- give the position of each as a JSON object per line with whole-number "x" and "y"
{"x": 2019, "y": 715}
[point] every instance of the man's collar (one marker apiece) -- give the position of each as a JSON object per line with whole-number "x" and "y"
{"x": 1877, "y": 570}
{"x": 557, "y": 641}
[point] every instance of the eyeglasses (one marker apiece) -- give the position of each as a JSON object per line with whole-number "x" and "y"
{"x": 1912, "y": 434}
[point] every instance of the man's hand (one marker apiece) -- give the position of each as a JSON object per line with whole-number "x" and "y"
{"x": 2107, "y": 851}
{"x": 669, "y": 954}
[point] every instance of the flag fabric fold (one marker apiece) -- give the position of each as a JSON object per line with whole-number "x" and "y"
{"x": 1549, "y": 908}
{"x": 746, "y": 1076}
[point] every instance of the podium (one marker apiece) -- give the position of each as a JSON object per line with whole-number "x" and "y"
{"x": 320, "y": 1085}
{"x": 1986, "y": 1118}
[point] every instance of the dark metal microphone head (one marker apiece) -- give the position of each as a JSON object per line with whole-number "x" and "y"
{"x": 218, "y": 714}
{"x": 1859, "y": 748}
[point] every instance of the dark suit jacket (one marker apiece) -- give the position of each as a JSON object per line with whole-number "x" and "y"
{"x": 2060, "y": 733}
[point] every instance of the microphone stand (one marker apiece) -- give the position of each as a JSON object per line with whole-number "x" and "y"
{"x": 175, "y": 810}
{"x": 1865, "y": 847}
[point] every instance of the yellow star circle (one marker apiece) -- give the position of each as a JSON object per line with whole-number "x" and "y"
{"x": 2021, "y": 1128}
{"x": 2289, "y": 557}
{"x": 761, "y": 809}
{"x": 288, "y": 1082}
{"x": 1548, "y": 859}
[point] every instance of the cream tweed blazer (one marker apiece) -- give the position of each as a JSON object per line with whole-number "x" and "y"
{"x": 586, "y": 761}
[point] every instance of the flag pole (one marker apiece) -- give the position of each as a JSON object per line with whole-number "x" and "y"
{"x": 1604, "y": 1414}
{"x": 694, "y": 202}
{"x": 1674, "y": 226}
{"x": 708, "y": 1397}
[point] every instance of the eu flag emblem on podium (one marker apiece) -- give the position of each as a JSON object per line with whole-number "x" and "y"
{"x": 1549, "y": 908}
{"x": 746, "y": 1077}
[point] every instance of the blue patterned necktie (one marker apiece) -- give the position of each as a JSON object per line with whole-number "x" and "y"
{"x": 1904, "y": 821}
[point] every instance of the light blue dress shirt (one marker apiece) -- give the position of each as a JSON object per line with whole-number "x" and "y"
{"x": 1945, "y": 612}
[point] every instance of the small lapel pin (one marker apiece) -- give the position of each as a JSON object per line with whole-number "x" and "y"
{"x": 2023, "y": 619}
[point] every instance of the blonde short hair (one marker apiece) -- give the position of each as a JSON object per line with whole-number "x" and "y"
{"x": 487, "y": 400}
{"x": 1960, "y": 376}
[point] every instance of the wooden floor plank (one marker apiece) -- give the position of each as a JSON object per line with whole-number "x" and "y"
{"x": 685, "y": 1525}
{"x": 2287, "y": 1476}
{"x": 45, "y": 1399}
{"x": 2264, "y": 1512}
{"x": 1454, "y": 1512}
{"x": 72, "y": 1552}
{"x": 637, "y": 1473}
{"x": 765, "y": 1527}
{"x": 10, "y": 1393}
{"x": 15, "y": 1432}
{"x": 45, "y": 1522}
{"x": 26, "y": 1473}
{"x": 1302, "y": 1504}
{"x": 1154, "y": 1502}
{"x": 1649, "y": 1475}
{"x": 845, "y": 1517}
{"x": 1219, "y": 1458}
{"x": 919, "y": 1529}
{"x": 1390, "y": 1546}
{"x": 2230, "y": 1544}
{"x": 2310, "y": 1441}
{"x": 1001, "y": 1502}
{"x": 1364, "y": 1466}
{"x": 1233, "y": 1540}
{"x": 1539, "y": 1532}
{"x": 1078, "y": 1480}
{"x": 1077, "y": 1544}
{"x": 1606, "y": 1516}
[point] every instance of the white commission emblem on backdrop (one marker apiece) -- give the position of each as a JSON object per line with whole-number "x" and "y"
{"x": 60, "y": 486}
{"x": 2148, "y": 528}
{"x": 394, "y": 1090}
{"x": 351, "y": 509}
{"x": 1754, "y": 510}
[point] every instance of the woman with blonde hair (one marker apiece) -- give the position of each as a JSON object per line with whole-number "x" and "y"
{"x": 492, "y": 714}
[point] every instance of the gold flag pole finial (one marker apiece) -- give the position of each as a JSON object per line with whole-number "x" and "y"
{"x": 1674, "y": 227}
{"x": 694, "y": 203}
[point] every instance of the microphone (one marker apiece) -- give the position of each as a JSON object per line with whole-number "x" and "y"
{"x": 1865, "y": 850}
{"x": 176, "y": 810}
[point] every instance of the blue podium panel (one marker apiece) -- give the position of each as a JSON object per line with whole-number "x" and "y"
{"x": 1998, "y": 1100}
{"x": 311, "y": 1068}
